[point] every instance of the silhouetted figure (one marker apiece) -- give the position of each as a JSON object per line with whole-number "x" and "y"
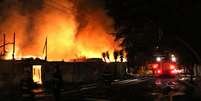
{"x": 26, "y": 87}
{"x": 191, "y": 73}
{"x": 107, "y": 55}
{"x": 104, "y": 56}
{"x": 121, "y": 53}
{"x": 115, "y": 54}
{"x": 57, "y": 83}
{"x": 107, "y": 78}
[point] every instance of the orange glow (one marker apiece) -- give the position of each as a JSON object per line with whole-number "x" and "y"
{"x": 107, "y": 60}
{"x": 172, "y": 67}
{"x": 69, "y": 36}
{"x": 155, "y": 66}
{"x": 36, "y": 72}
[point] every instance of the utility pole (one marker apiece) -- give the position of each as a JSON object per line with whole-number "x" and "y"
{"x": 4, "y": 44}
{"x": 45, "y": 49}
{"x": 13, "y": 55}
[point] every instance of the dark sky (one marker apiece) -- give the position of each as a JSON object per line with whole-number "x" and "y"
{"x": 179, "y": 21}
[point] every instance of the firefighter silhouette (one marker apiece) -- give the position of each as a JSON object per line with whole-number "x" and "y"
{"x": 26, "y": 86}
{"x": 57, "y": 83}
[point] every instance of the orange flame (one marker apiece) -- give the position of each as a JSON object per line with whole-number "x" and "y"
{"x": 69, "y": 35}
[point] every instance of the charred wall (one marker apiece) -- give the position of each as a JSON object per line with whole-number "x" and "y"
{"x": 74, "y": 72}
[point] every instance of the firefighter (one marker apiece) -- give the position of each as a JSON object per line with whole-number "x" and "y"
{"x": 191, "y": 73}
{"x": 107, "y": 77}
{"x": 57, "y": 83}
{"x": 26, "y": 87}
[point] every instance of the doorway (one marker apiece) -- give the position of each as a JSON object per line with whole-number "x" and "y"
{"x": 36, "y": 74}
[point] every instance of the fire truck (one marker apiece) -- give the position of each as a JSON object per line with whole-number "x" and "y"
{"x": 165, "y": 65}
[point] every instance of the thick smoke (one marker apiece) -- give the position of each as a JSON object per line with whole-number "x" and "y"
{"x": 74, "y": 28}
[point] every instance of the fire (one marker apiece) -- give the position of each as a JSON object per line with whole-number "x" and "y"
{"x": 73, "y": 29}
{"x": 37, "y": 78}
{"x": 9, "y": 54}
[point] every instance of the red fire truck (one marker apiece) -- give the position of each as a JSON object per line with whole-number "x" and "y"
{"x": 165, "y": 66}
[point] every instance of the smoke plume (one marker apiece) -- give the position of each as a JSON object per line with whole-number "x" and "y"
{"x": 74, "y": 28}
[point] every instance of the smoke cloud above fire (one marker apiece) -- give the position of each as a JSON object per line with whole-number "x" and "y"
{"x": 74, "y": 28}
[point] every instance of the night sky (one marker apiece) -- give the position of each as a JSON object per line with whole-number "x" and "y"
{"x": 176, "y": 23}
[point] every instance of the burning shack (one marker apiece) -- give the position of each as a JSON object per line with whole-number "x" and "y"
{"x": 41, "y": 71}
{"x": 14, "y": 67}
{"x": 53, "y": 32}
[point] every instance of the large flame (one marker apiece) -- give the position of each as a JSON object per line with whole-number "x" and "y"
{"x": 74, "y": 29}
